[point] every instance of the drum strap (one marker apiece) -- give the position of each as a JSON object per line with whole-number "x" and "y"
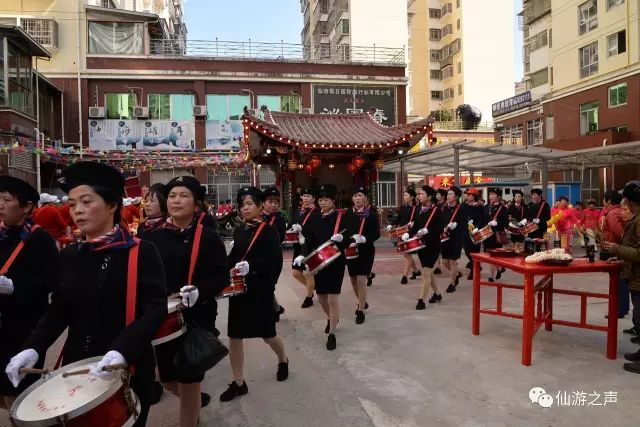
{"x": 337, "y": 227}
{"x": 361, "y": 226}
{"x": 15, "y": 253}
{"x": 454, "y": 214}
{"x": 255, "y": 236}
{"x": 273, "y": 219}
{"x": 413, "y": 212}
{"x": 497, "y": 213}
{"x": 540, "y": 210}
{"x": 132, "y": 294}
{"x": 306, "y": 218}
{"x": 195, "y": 248}
{"x": 433, "y": 211}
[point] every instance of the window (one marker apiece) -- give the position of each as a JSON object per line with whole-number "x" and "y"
{"x": 458, "y": 24}
{"x": 447, "y": 72}
{"x": 550, "y": 38}
{"x": 618, "y": 95}
{"x": 588, "y": 118}
{"x": 435, "y": 34}
{"x": 226, "y": 107}
{"x": 587, "y": 16}
{"x": 589, "y": 59}
{"x": 534, "y": 132}
{"x": 436, "y": 74}
{"x": 551, "y": 75}
{"x": 459, "y": 67}
{"x": 435, "y": 55}
{"x": 435, "y": 13}
{"x": 460, "y": 89}
{"x": 120, "y": 105}
{"x": 446, "y": 9}
{"x": 447, "y": 29}
{"x": 286, "y": 103}
{"x": 344, "y": 26}
{"x": 457, "y": 4}
{"x": 538, "y": 41}
{"x": 617, "y": 43}
{"x": 549, "y": 127}
{"x": 448, "y": 93}
{"x": 436, "y": 95}
{"x": 614, "y": 3}
{"x": 121, "y": 38}
{"x": 164, "y": 106}
{"x": 540, "y": 77}
{"x": 20, "y": 80}
{"x": 386, "y": 189}
{"x": 511, "y": 134}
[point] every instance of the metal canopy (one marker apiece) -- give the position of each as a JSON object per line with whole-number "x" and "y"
{"x": 473, "y": 156}
{"x": 626, "y": 153}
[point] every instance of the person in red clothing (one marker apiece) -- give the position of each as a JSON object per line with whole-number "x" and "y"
{"x": 590, "y": 217}
{"x": 612, "y": 223}
{"x": 222, "y": 209}
{"x": 565, "y": 224}
{"x": 48, "y": 216}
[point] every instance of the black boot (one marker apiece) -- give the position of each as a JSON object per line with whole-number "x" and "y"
{"x": 415, "y": 275}
{"x": 458, "y": 276}
{"x": 359, "y": 317}
{"x": 470, "y": 276}
{"x": 205, "y": 398}
{"x": 435, "y": 298}
{"x": 234, "y": 391}
{"x": 632, "y": 367}
{"x": 370, "y": 278}
{"x": 437, "y": 270}
{"x": 331, "y": 342}
{"x": 631, "y": 331}
{"x": 404, "y": 280}
{"x": 308, "y": 302}
{"x": 498, "y": 274}
{"x": 451, "y": 288}
{"x": 283, "y": 371}
{"x": 420, "y": 305}
{"x": 635, "y": 340}
{"x": 633, "y": 357}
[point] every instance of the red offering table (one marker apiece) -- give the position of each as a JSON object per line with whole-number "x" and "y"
{"x": 538, "y": 297}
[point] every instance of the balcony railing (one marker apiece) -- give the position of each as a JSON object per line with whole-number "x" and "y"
{"x": 283, "y": 52}
{"x": 459, "y": 125}
{"x": 535, "y": 9}
{"x": 44, "y": 31}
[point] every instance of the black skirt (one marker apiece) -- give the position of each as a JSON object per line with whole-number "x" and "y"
{"x": 452, "y": 248}
{"x": 167, "y": 370}
{"x": 362, "y": 265}
{"x": 251, "y": 315}
{"x": 329, "y": 279}
{"x": 428, "y": 256}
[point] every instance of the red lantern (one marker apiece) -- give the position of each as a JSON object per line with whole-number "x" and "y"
{"x": 308, "y": 168}
{"x": 352, "y": 168}
{"x": 315, "y": 161}
{"x": 358, "y": 162}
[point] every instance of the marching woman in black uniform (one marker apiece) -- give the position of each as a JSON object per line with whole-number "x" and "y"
{"x": 255, "y": 255}
{"x": 271, "y": 215}
{"x": 441, "y": 199}
{"x": 28, "y": 272}
{"x": 474, "y": 212}
{"x": 496, "y": 216}
{"x": 406, "y": 214}
{"x": 322, "y": 228}
{"x": 93, "y": 300}
{"x": 176, "y": 240}
{"x": 455, "y": 229}
{"x": 518, "y": 213}
{"x": 363, "y": 226}
{"x": 428, "y": 225}
{"x": 155, "y": 210}
{"x": 303, "y": 217}
{"x": 539, "y": 213}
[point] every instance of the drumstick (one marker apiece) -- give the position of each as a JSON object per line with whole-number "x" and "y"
{"x": 107, "y": 368}
{"x": 33, "y": 371}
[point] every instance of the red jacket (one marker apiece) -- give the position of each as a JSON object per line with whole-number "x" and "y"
{"x": 569, "y": 218}
{"x": 49, "y": 218}
{"x": 590, "y": 218}
{"x": 66, "y": 215}
{"x": 130, "y": 213}
{"x": 612, "y": 224}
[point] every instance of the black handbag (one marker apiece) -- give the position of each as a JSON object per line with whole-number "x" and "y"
{"x": 199, "y": 351}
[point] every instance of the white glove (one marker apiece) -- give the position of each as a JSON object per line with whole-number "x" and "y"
{"x": 298, "y": 260}
{"x": 452, "y": 226}
{"x": 189, "y": 295}
{"x": 359, "y": 239}
{"x": 422, "y": 232}
{"x": 111, "y": 358}
{"x": 523, "y": 222}
{"x": 6, "y": 285}
{"x": 410, "y": 224}
{"x": 337, "y": 238}
{"x": 475, "y": 230}
{"x": 405, "y": 237}
{"x": 231, "y": 244}
{"x": 493, "y": 223}
{"x": 536, "y": 221}
{"x": 389, "y": 227}
{"x": 301, "y": 239}
{"x": 243, "y": 268}
{"x": 470, "y": 221}
{"x": 24, "y": 359}
{"x": 296, "y": 228}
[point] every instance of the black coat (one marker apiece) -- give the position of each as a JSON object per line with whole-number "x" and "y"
{"x": 91, "y": 302}
{"x": 502, "y": 219}
{"x": 545, "y": 215}
{"x": 404, "y": 214}
{"x": 277, "y": 221}
{"x": 517, "y": 213}
{"x": 211, "y": 273}
{"x": 251, "y": 314}
{"x": 303, "y": 218}
{"x": 319, "y": 231}
{"x": 362, "y": 265}
{"x": 429, "y": 255}
{"x": 34, "y": 274}
{"x": 452, "y": 248}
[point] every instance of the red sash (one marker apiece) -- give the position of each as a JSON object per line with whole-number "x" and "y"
{"x": 15, "y": 253}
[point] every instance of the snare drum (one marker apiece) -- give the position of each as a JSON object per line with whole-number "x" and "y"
{"x": 173, "y": 325}
{"x": 412, "y": 245}
{"x": 399, "y": 231}
{"x": 236, "y": 287}
{"x": 322, "y": 257}
{"x": 351, "y": 252}
{"x": 291, "y": 236}
{"x": 76, "y": 401}
{"x": 482, "y": 235}
{"x": 528, "y": 228}
{"x": 514, "y": 229}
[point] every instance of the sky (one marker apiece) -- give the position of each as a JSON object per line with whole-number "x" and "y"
{"x": 271, "y": 21}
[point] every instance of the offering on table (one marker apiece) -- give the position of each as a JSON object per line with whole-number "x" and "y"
{"x": 554, "y": 256}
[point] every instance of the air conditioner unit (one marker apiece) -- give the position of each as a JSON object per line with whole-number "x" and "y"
{"x": 199, "y": 110}
{"x": 306, "y": 111}
{"x": 96, "y": 112}
{"x": 254, "y": 112}
{"x": 141, "y": 112}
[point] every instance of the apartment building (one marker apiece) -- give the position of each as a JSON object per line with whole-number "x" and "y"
{"x": 582, "y": 67}
{"x": 451, "y": 47}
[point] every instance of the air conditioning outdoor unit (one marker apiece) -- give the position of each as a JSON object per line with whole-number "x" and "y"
{"x": 141, "y": 112}
{"x": 96, "y": 112}
{"x": 199, "y": 110}
{"x": 254, "y": 112}
{"x": 306, "y": 111}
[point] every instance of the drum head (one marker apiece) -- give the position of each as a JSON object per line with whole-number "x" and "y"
{"x": 54, "y": 396}
{"x": 173, "y": 305}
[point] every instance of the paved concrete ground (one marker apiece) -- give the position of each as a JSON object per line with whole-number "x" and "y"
{"x": 403, "y": 367}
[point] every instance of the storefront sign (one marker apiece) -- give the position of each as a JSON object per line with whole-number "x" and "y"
{"x": 511, "y": 104}
{"x": 346, "y": 99}
{"x": 141, "y": 135}
{"x": 446, "y": 181}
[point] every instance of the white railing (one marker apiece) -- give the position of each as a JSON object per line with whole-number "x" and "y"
{"x": 260, "y": 51}
{"x": 459, "y": 125}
